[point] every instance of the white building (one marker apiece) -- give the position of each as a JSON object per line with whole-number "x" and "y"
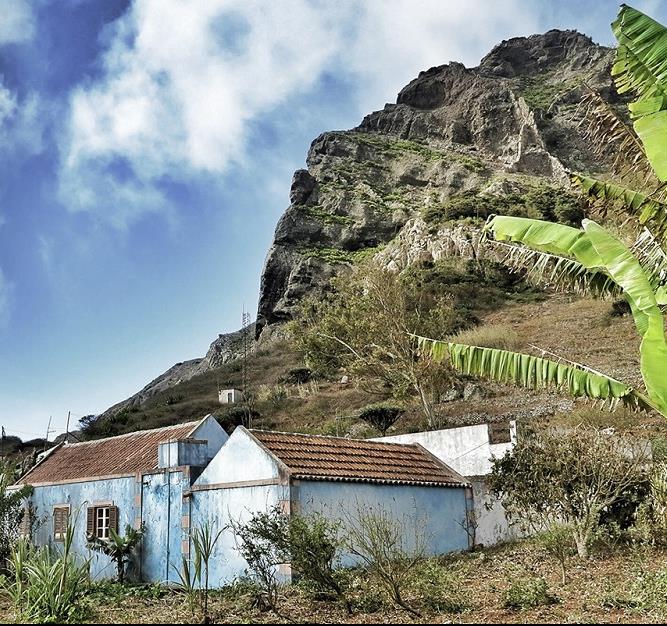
{"x": 230, "y": 396}
{"x": 470, "y": 450}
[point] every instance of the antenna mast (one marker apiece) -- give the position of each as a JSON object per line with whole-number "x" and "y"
{"x": 245, "y": 335}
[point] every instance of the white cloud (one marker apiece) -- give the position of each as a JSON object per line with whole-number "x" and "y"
{"x": 16, "y": 21}
{"x": 22, "y": 122}
{"x": 183, "y": 79}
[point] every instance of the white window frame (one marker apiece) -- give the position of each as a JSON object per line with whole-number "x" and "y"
{"x": 102, "y": 521}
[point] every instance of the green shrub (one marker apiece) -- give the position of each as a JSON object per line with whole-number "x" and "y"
{"x": 298, "y": 376}
{"x": 558, "y": 542}
{"x": 439, "y": 589}
{"x": 381, "y": 416}
{"x": 526, "y": 593}
{"x": 648, "y": 591}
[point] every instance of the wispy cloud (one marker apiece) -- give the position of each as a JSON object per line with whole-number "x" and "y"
{"x": 22, "y": 122}
{"x": 16, "y": 21}
{"x": 183, "y": 80}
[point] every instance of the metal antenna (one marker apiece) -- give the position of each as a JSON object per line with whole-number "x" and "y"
{"x": 245, "y": 332}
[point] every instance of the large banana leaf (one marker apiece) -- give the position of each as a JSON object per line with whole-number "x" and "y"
{"x": 648, "y": 211}
{"x": 548, "y": 237}
{"x": 627, "y": 272}
{"x": 597, "y": 250}
{"x": 641, "y": 67}
{"x": 532, "y": 372}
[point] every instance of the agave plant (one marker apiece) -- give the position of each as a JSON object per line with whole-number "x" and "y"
{"x": 591, "y": 258}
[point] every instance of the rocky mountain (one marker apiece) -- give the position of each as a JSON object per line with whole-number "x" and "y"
{"x": 501, "y": 128}
{"x": 410, "y": 183}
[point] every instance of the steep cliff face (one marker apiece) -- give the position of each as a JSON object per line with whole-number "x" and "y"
{"x": 509, "y": 123}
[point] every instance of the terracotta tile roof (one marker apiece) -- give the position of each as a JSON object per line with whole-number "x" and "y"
{"x": 113, "y": 456}
{"x": 313, "y": 457}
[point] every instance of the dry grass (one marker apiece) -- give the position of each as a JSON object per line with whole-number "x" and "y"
{"x": 599, "y": 590}
{"x": 501, "y": 336}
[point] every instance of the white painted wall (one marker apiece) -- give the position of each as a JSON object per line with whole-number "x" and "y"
{"x": 240, "y": 459}
{"x": 465, "y": 449}
{"x": 230, "y": 396}
{"x": 210, "y": 431}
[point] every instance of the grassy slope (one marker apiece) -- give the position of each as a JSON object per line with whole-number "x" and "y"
{"x": 579, "y": 329}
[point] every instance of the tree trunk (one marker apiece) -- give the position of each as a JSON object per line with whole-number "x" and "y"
{"x": 426, "y": 405}
{"x": 581, "y": 539}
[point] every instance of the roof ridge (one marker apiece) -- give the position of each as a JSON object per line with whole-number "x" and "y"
{"x": 134, "y": 432}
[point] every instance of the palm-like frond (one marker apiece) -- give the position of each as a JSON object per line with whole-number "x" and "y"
{"x": 608, "y": 132}
{"x": 647, "y": 210}
{"x": 557, "y": 272}
{"x": 599, "y": 251}
{"x": 641, "y": 67}
{"x": 641, "y": 59}
{"x": 533, "y": 372}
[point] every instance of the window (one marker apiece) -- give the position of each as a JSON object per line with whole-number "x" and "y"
{"x": 60, "y": 522}
{"x": 230, "y": 396}
{"x": 101, "y": 520}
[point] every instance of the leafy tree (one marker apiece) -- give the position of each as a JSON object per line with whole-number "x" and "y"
{"x": 381, "y": 416}
{"x": 366, "y": 326}
{"x": 120, "y": 548}
{"x": 12, "y": 511}
{"x": 568, "y": 477}
{"x": 591, "y": 259}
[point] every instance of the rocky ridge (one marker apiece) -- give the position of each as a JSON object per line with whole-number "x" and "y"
{"x": 452, "y": 130}
{"x": 495, "y": 131}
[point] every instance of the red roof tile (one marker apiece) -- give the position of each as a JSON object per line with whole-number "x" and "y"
{"x": 313, "y": 457}
{"x": 114, "y": 456}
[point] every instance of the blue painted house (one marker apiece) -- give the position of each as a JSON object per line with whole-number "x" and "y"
{"x": 129, "y": 479}
{"x": 175, "y": 479}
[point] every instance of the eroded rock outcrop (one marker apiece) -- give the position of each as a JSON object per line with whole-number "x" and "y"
{"x": 452, "y": 130}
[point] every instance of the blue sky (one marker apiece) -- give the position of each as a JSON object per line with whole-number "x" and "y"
{"x": 147, "y": 152}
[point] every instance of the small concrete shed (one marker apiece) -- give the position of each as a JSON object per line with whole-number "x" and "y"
{"x": 257, "y": 470}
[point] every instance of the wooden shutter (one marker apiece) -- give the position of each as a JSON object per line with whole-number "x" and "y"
{"x": 60, "y": 521}
{"x": 90, "y": 521}
{"x": 113, "y": 518}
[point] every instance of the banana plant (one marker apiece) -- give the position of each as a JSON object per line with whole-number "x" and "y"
{"x": 591, "y": 258}
{"x": 590, "y": 251}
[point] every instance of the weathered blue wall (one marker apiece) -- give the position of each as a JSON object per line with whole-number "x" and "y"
{"x": 440, "y": 512}
{"x": 159, "y": 506}
{"x": 118, "y": 491}
{"x": 222, "y": 507}
{"x": 161, "y": 510}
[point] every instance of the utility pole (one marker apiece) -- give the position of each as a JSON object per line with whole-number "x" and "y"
{"x": 48, "y": 430}
{"x": 67, "y": 427}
